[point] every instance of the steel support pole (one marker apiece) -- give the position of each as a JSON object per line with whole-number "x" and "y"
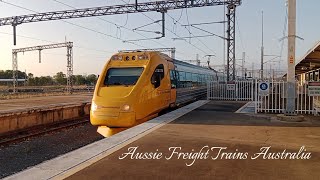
{"x": 40, "y": 55}
{"x": 291, "y": 90}
{"x": 14, "y": 34}
{"x": 69, "y": 69}
{"x": 163, "y": 24}
{"x": 231, "y": 55}
{"x": 14, "y": 70}
{"x": 136, "y": 2}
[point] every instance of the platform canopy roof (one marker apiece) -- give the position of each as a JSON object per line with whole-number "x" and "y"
{"x": 310, "y": 61}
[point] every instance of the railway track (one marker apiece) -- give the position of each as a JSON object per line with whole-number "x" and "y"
{"x": 38, "y": 131}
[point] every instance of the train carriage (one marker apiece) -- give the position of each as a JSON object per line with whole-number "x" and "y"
{"x": 135, "y": 86}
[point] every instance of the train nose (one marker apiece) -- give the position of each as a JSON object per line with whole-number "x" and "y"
{"x": 112, "y": 115}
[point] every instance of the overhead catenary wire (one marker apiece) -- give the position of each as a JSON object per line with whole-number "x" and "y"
{"x": 177, "y": 21}
{"x": 33, "y": 38}
{"x": 191, "y": 34}
{"x": 284, "y": 32}
{"x": 241, "y": 40}
{"x": 209, "y": 32}
{"x": 92, "y": 30}
{"x": 240, "y": 37}
{"x": 119, "y": 26}
{"x": 135, "y": 31}
{"x": 170, "y": 31}
{"x": 188, "y": 23}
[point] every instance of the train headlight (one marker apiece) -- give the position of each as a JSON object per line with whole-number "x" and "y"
{"x": 116, "y": 57}
{"x": 143, "y": 57}
{"x": 94, "y": 106}
{"x": 126, "y": 107}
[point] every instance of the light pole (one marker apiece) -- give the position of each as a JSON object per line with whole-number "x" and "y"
{"x": 262, "y": 48}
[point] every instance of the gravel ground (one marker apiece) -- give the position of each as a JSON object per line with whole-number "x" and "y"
{"x": 19, "y": 156}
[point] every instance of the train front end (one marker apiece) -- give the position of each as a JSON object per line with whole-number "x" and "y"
{"x": 114, "y": 101}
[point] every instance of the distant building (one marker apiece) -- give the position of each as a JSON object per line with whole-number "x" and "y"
{"x": 11, "y": 80}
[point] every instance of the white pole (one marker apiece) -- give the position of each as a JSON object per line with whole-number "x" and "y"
{"x": 290, "y": 109}
{"x": 262, "y": 48}
{"x": 224, "y": 39}
{"x": 242, "y": 66}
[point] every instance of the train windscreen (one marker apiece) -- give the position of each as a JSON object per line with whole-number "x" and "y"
{"x": 123, "y": 76}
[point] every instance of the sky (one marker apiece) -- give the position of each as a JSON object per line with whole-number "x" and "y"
{"x": 97, "y": 38}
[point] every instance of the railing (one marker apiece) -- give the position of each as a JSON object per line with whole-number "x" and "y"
{"x": 271, "y": 100}
{"x": 275, "y": 100}
{"x": 240, "y": 90}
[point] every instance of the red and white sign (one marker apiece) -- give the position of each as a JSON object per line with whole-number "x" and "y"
{"x": 291, "y": 60}
{"x": 314, "y": 88}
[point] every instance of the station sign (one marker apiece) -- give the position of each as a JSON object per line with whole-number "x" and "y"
{"x": 263, "y": 89}
{"x": 231, "y": 86}
{"x": 314, "y": 88}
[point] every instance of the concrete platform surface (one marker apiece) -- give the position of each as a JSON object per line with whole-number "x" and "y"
{"x": 12, "y": 105}
{"x": 215, "y": 125}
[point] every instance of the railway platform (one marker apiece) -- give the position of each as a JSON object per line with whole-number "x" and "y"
{"x": 16, "y": 105}
{"x": 203, "y": 140}
{"x": 18, "y": 115}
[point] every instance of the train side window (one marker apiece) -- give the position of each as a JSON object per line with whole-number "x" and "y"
{"x": 173, "y": 79}
{"x": 159, "y": 70}
{"x": 194, "y": 79}
{"x": 157, "y": 75}
{"x": 189, "y": 77}
{"x": 182, "y": 77}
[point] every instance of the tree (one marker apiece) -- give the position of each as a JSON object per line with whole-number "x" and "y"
{"x": 60, "y": 78}
{"x": 91, "y": 79}
{"x": 45, "y": 81}
{"x": 30, "y": 75}
{"x": 79, "y": 80}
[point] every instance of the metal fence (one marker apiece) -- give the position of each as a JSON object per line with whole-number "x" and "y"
{"x": 240, "y": 90}
{"x": 274, "y": 101}
{"x": 269, "y": 100}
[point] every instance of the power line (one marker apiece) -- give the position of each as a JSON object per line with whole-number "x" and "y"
{"x": 242, "y": 45}
{"x": 169, "y": 31}
{"x": 102, "y": 33}
{"x": 81, "y": 47}
{"x": 190, "y": 37}
{"x": 284, "y": 32}
{"x": 176, "y": 35}
{"x": 188, "y": 23}
{"x": 197, "y": 37}
{"x": 206, "y": 23}
{"x": 118, "y": 26}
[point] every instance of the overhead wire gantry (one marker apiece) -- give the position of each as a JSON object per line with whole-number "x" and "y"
{"x": 68, "y": 45}
{"x": 157, "y": 6}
